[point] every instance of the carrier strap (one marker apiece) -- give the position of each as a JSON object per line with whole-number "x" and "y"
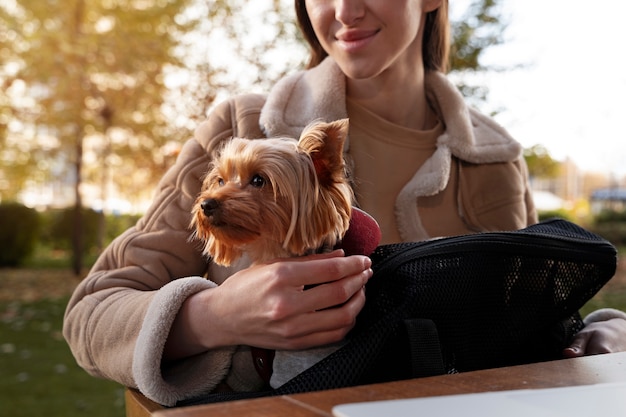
{"x": 426, "y": 358}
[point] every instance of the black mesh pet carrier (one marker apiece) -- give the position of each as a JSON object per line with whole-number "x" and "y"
{"x": 464, "y": 303}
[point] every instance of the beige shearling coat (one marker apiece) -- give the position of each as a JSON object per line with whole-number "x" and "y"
{"x": 119, "y": 317}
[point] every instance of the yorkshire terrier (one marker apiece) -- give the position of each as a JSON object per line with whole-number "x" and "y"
{"x": 274, "y": 198}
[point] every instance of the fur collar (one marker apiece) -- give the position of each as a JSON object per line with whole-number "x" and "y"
{"x": 319, "y": 94}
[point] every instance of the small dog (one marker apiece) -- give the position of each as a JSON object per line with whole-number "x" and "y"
{"x": 275, "y": 198}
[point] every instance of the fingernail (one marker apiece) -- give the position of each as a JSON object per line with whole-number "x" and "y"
{"x": 573, "y": 349}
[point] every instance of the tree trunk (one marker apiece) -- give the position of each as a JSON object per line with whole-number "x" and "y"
{"x": 77, "y": 233}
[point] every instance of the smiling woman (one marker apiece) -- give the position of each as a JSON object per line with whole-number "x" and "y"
{"x": 421, "y": 161}
{"x": 352, "y": 32}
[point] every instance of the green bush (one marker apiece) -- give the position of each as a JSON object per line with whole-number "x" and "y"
{"x": 117, "y": 224}
{"x": 58, "y": 225}
{"x": 614, "y": 232}
{"x": 19, "y": 230}
{"x": 610, "y": 216}
{"x": 59, "y": 228}
{"x": 560, "y": 213}
{"x": 611, "y": 225}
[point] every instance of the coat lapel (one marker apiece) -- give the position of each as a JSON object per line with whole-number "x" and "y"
{"x": 319, "y": 94}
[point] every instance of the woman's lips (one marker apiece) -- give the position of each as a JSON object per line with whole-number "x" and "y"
{"x": 352, "y": 40}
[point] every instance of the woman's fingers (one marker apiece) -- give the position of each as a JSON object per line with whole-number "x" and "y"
{"x": 318, "y": 269}
{"x": 321, "y": 327}
{"x": 335, "y": 293}
{"x": 599, "y": 337}
{"x": 267, "y": 305}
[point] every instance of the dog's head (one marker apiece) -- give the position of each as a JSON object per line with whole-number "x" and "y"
{"x": 275, "y": 197}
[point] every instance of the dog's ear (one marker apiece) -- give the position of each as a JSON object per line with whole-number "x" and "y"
{"x": 324, "y": 143}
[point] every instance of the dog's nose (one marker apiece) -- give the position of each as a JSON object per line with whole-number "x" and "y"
{"x": 209, "y": 206}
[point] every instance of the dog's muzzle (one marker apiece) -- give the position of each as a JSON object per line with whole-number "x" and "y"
{"x": 209, "y": 206}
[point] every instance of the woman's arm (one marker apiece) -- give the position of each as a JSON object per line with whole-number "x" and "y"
{"x": 143, "y": 270}
{"x": 267, "y": 306}
{"x": 108, "y": 308}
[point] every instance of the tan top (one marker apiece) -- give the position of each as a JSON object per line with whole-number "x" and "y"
{"x": 377, "y": 145}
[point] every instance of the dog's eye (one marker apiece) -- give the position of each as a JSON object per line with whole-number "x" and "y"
{"x": 257, "y": 181}
{"x": 220, "y": 182}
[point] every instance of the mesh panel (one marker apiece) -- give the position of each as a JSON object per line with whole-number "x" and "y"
{"x": 496, "y": 299}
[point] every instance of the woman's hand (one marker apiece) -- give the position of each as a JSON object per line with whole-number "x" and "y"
{"x": 605, "y": 336}
{"x": 267, "y": 306}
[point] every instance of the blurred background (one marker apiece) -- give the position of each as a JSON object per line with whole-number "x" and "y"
{"x": 97, "y": 97}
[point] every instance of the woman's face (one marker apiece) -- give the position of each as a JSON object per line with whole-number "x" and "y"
{"x": 369, "y": 37}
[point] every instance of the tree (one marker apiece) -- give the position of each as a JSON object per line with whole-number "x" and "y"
{"x": 14, "y": 162}
{"x": 540, "y": 163}
{"x": 109, "y": 88}
{"x": 95, "y": 72}
{"x": 241, "y": 46}
{"x": 479, "y": 28}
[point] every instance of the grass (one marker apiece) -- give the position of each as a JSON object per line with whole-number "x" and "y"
{"x": 38, "y": 375}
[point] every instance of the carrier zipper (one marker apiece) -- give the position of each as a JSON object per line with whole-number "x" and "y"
{"x": 502, "y": 242}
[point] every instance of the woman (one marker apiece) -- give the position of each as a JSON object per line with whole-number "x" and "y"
{"x": 423, "y": 164}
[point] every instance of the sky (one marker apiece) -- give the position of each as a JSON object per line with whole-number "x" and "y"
{"x": 571, "y": 96}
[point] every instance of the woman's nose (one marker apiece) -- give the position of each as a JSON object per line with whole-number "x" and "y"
{"x": 349, "y": 12}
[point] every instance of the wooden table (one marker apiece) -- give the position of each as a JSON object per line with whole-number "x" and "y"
{"x": 566, "y": 372}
